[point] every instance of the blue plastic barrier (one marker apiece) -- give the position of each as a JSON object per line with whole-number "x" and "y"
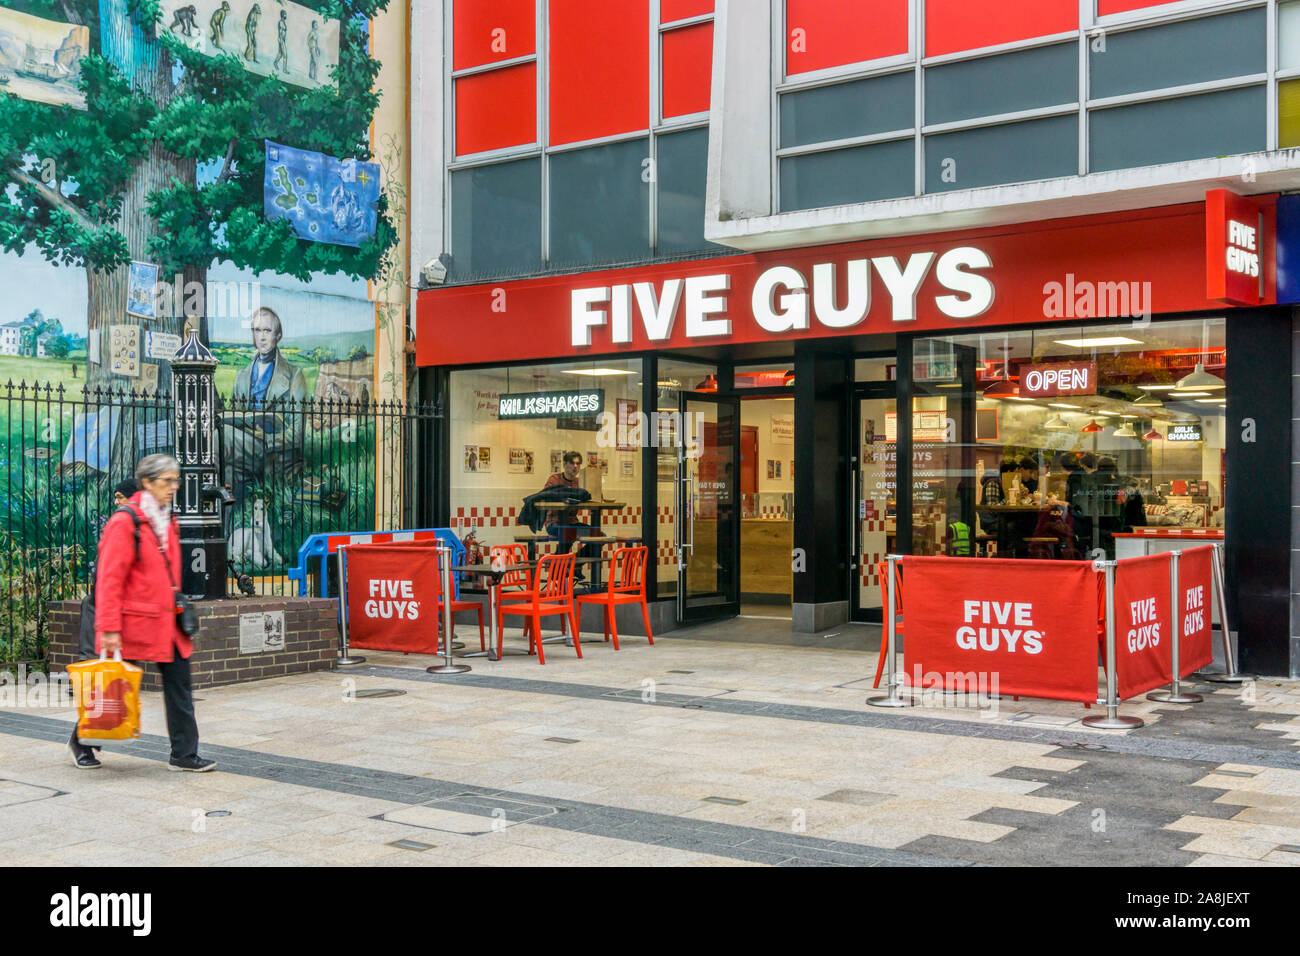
{"x": 319, "y": 547}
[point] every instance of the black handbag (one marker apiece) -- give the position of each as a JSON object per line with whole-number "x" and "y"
{"x": 187, "y": 619}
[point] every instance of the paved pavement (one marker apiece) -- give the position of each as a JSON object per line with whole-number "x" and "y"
{"x": 722, "y": 745}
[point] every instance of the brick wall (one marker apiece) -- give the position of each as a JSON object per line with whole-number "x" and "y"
{"x": 311, "y": 640}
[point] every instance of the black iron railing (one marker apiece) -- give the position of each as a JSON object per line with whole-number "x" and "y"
{"x": 295, "y": 468}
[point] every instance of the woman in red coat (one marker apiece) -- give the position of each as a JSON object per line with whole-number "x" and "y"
{"x": 136, "y": 582}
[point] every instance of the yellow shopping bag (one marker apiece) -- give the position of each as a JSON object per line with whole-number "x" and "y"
{"x": 107, "y": 693}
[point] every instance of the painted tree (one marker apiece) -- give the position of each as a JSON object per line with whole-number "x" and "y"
{"x": 123, "y": 173}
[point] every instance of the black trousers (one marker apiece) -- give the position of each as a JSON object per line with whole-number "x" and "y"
{"x": 178, "y": 703}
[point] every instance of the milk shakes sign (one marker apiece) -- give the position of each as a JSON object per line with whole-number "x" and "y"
{"x": 993, "y": 625}
{"x": 392, "y": 600}
{"x": 565, "y": 402}
{"x": 783, "y": 298}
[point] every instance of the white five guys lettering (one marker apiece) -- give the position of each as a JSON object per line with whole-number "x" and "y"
{"x": 392, "y": 599}
{"x": 1145, "y": 629}
{"x": 1194, "y": 619}
{"x": 989, "y": 625}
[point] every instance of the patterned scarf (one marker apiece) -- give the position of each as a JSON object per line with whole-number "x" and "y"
{"x": 159, "y": 517}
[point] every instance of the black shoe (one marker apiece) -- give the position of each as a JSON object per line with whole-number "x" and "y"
{"x": 83, "y": 757}
{"x": 195, "y": 764}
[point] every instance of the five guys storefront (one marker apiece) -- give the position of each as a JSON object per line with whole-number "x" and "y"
{"x": 1073, "y": 384}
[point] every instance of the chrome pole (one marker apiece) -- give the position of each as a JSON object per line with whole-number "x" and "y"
{"x": 1229, "y": 675}
{"x": 1112, "y": 720}
{"x": 344, "y": 658}
{"x": 1175, "y": 695}
{"x": 892, "y": 698}
{"x": 444, "y": 569}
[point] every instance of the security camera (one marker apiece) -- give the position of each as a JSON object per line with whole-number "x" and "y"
{"x": 434, "y": 272}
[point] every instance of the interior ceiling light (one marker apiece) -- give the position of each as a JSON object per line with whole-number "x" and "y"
{"x": 1148, "y": 401}
{"x": 1211, "y": 401}
{"x": 1097, "y": 342}
{"x": 1057, "y": 423}
{"x": 1128, "y": 416}
{"x": 1126, "y": 431}
{"x": 1064, "y": 405}
{"x": 1200, "y": 378}
{"x": 1091, "y": 427}
{"x": 1156, "y": 386}
{"x": 596, "y": 371}
{"x": 1179, "y": 393}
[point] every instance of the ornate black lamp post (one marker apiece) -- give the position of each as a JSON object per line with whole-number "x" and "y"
{"x": 198, "y": 501}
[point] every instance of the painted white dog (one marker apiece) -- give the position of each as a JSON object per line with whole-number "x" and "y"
{"x": 253, "y": 543}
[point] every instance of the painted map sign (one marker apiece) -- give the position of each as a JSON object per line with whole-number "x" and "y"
{"x": 40, "y": 60}
{"x": 285, "y": 40}
{"x": 325, "y": 199}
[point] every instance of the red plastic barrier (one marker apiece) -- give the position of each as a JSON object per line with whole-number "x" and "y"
{"x": 1142, "y": 625}
{"x": 1195, "y": 581}
{"x": 1032, "y": 623}
{"x": 393, "y": 592}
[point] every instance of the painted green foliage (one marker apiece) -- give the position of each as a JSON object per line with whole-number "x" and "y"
{"x": 219, "y": 117}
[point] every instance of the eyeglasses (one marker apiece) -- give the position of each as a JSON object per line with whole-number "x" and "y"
{"x": 167, "y": 480}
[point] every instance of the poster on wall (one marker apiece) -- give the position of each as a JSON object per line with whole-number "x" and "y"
{"x": 629, "y": 466}
{"x": 557, "y": 460}
{"x": 521, "y": 461}
{"x": 325, "y": 199}
{"x": 629, "y": 425}
{"x": 124, "y": 350}
{"x": 291, "y": 42}
{"x": 771, "y": 468}
{"x": 783, "y": 428}
{"x": 142, "y": 280}
{"x": 778, "y": 468}
{"x": 40, "y": 60}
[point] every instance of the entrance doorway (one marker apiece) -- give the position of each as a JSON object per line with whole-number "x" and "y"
{"x": 707, "y": 493}
{"x": 766, "y": 506}
{"x": 875, "y": 481}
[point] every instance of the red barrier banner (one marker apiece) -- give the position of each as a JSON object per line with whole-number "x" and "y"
{"x": 1031, "y": 626}
{"x": 1195, "y": 584}
{"x": 393, "y": 597}
{"x": 1142, "y": 625}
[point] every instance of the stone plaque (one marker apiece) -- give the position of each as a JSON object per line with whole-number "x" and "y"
{"x": 261, "y": 632}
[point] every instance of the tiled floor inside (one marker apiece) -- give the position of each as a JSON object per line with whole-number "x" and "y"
{"x": 719, "y": 745}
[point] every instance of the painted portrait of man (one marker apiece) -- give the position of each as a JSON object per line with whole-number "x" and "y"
{"x": 263, "y": 433}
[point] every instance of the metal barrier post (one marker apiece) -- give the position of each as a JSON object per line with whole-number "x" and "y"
{"x": 892, "y": 698}
{"x": 1174, "y": 695}
{"x": 344, "y": 657}
{"x": 444, "y": 568}
{"x": 1230, "y": 675}
{"x": 1112, "y": 720}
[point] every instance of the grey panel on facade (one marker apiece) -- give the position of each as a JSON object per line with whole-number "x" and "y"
{"x": 1170, "y": 131}
{"x": 600, "y": 204}
{"x": 496, "y": 219}
{"x": 683, "y": 169}
{"x": 860, "y": 108}
{"x": 1008, "y": 83}
{"x": 1010, "y": 153}
{"x": 857, "y": 174}
{"x": 1191, "y": 51}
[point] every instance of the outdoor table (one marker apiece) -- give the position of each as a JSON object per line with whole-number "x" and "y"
{"x": 494, "y": 591}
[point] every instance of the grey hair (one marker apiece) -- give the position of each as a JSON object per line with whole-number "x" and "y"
{"x": 150, "y": 467}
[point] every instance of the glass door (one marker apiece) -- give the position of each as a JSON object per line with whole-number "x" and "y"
{"x": 708, "y": 527}
{"x": 876, "y": 468}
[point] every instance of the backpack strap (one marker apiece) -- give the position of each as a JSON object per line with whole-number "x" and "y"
{"x": 135, "y": 521}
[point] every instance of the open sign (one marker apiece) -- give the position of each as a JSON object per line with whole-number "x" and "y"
{"x": 1067, "y": 378}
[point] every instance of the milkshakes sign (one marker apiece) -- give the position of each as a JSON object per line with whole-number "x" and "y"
{"x": 565, "y": 402}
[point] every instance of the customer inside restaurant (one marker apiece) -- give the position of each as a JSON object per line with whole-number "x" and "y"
{"x": 1049, "y": 443}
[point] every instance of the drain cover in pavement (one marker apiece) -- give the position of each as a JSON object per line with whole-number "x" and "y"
{"x": 379, "y": 692}
{"x": 411, "y": 845}
{"x": 727, "y": 801}
{"x": 217, "y": 813}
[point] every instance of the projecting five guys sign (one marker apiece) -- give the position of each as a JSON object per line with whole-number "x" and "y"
{"x": 958, "y": 280}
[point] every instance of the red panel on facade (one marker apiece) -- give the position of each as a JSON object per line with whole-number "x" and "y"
{"x": 1106, "y": 7}
{"x": 496, "y": 109}
{"x": 826, "y": 33}
{"x": 485, "y": 31}
{"x": 600, "y": 66}
{"x": 955, "y": 25}
{"x": 1165, "y": 247}
{"x": 687, "y": 69}
{"x": 670, "y": 10}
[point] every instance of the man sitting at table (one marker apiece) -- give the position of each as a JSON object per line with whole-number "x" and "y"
{"x": 565, "y": 526}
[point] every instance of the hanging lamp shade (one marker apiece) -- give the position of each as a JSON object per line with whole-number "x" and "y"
{"x": 710, "y": 384}
{"x": 1200, "y": 378}
{"x": 1057, "y": 423}
{"x": 1126, "y": 431}
{"x": 1148, "y": 400}
{"x": 1091, "y": 428}
{"x": 788, "y": 377}
{"x": 1153, "y": 435}
{"x": 1003, "y": 388}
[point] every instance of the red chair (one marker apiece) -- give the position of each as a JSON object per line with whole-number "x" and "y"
{"x": 553, "y": 594}
{"x": 626, "y": 586}
{"x": 882, "y": 572}
{"x": 520, "y": 581}
{"x": 474, "y": 606}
